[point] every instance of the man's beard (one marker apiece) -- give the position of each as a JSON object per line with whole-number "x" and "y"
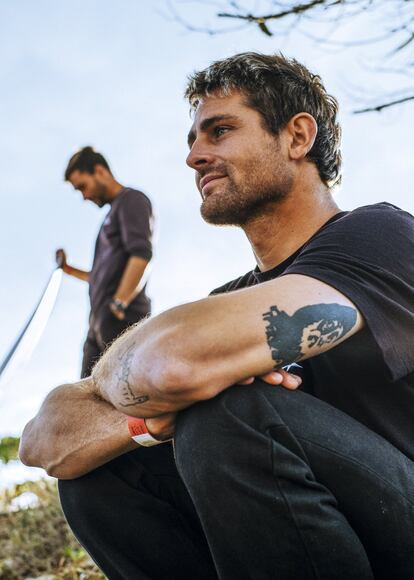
{"x": 100, "y": 196}
{"x": 240, "y": 203}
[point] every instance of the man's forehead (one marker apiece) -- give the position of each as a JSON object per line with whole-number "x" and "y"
{"x": 76, "y": 177}
{"x": 217, "y": 106}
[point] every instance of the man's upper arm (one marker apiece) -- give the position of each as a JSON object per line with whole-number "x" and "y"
{"x": 228, "y": 337}
{"x": 306, "y": 317}
{"x": 367, "y": 255}
{"x": 135, "y": 218}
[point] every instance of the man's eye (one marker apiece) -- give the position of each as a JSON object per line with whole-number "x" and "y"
{"x": 219, "y": 131}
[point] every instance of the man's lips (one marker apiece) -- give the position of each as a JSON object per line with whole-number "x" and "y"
{"x": 204, "y": 181}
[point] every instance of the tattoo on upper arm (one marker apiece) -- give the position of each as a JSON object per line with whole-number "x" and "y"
{"x": 290, "y": 337}
{"x": 129, "y": 398}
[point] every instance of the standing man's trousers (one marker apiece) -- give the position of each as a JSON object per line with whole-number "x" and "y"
{"x": 282, "y": 487}
{"x": 104, "y": 328}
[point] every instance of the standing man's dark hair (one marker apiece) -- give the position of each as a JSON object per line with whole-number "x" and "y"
{"x": 122, "y": 253}
{"x": 278, "y": 88}
{"x": 85, "y": 160}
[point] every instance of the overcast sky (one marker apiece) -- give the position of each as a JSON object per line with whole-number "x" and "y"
{"x": 111, "y": 74}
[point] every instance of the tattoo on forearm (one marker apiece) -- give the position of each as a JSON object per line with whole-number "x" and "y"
{"x": 129, "y": 399}
{"x": 289, "y": 337}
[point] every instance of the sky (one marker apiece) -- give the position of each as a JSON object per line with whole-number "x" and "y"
{"x": 112, "y": 75}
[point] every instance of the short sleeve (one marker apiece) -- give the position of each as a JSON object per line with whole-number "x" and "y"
{"x": 135, "y": 222}
{"x": 368, "y": 256}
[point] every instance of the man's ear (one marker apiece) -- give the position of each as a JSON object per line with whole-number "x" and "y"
{"x": 302, "y": 130}
{"x": 99, "y": 170}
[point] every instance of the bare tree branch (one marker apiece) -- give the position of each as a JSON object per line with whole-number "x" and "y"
{"x": 385, "y": 32}
{"x": 297, "y": 9}
{"x": 379, "y": 108}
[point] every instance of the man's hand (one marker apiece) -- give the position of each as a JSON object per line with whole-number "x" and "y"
{"x": 62, "y": 262}
{"x": 74, "y": 432}
{"x": 162, "y": 427}
{"x": 279, "y": 377}
{"x": 61, "y": 258}
{"x": 131, "y": 283}
{"x": 118, "y": 309}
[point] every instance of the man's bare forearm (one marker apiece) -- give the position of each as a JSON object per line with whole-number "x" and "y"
{"x": 194, "y": 351}
{"x": 184, "y": 355}
{"x": 76, "y": 273}
{"x": 74, "y": 432}
{"x": 130, "y": 283}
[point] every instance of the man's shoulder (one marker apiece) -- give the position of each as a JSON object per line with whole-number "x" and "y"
{"x": 244, "y": 281}
{"x": 376, "y": 222}
{"x": 382, "y": 212}
{"x": 130, "y": 195}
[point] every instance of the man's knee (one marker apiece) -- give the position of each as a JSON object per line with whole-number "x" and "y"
{"x": 207, "y": 420}
{"x": 210, "y": 433}
{"x": 258, "y": 403}
{"x": 80, "y": 498}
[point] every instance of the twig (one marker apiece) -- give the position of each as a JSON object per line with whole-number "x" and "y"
{"x": 379, "y": 108}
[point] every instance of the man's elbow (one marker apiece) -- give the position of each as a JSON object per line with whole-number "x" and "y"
{"x": 32, "y": 458}
{"x": 27, "y": 450}
{"x": 33, "y": 453}
{"x": 64, "y": 471}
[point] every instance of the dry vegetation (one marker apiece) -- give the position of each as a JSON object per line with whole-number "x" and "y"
{"x": 36, "y": 542}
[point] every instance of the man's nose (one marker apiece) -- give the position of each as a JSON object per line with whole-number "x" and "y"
{"x": 199, "y": 156}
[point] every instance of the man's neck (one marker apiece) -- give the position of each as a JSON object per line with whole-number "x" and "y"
{"x": 114, "y": 188}
{"x": 286, "y": 225}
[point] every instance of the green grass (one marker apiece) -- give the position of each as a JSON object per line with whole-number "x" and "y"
{"x": 8, "y": 448}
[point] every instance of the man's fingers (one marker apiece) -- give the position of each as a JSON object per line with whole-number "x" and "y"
{"x": 60, "y": 258}
{"x": 279, "y": 377}
{"x": 283, "y": 378}
{"x": 162, "y": 427}
{"x": 246, "y": 381}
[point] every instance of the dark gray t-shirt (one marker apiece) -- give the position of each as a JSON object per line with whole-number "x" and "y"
{"x": 125, "y": 232}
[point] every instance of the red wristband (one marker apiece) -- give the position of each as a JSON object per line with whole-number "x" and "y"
{"x": 139, "y": 432}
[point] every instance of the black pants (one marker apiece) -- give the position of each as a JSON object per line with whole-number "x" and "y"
{"x": 104, "y": 327}
{"x": 285, "y": 487}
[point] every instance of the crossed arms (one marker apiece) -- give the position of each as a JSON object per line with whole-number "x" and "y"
{"x": 187, "y": 354}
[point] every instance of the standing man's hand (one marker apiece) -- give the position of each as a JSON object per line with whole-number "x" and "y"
{"x": 62, "y": 262}
{"x": 117, "y": 307}
{"x": 61, "y": 258}
{"x": 129, "y": 286}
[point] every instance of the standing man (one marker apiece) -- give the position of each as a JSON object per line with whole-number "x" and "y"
{"x": 285, "y": 483}
{"x": 122, "y": 253}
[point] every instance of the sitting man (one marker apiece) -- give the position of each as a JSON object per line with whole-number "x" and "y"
{"x": 265, "y": 482}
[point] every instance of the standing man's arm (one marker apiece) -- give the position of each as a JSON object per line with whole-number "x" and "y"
{"x": 131, "y": 283}
{"x": 75, "y": 272}
{"x": 135, "y": 223}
